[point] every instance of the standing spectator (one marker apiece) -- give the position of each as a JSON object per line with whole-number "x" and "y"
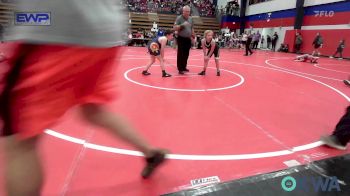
{"x": 160, "y": 32}
{"x": 274, "y": 41}
{"x": 262, "y": 41}
{"x": 298, "y": 42}
{"x": 220, "y": 40}
{"x": 232, "y": 39}
{"x": 236, "y": 8}
{"x": 184, "y": 26}
{"x": 256, "y": 39}
{"x": 198, "y": 42}
{"x": 222, "y": 10}
{"x": 227, "y": 9}
{"x": 317, "y": 43}
{"x": 227, "y": 37}
{"x": 340, "y": 49}
{"x": 253, "y": 40}
{"x": 130, "y": 42}
{"x": 244, "y": 38}
{"x": 154, "y": 27}
{"x": 231, "y": 8}
{"x": 268, "y": 39}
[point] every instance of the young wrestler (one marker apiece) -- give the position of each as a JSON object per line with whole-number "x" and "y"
{"x": 156, "y": 50}
{"x": 306, "y": 57}
{"x": 210, "y": 47}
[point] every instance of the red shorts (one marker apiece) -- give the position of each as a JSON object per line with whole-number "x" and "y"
{"x": 47, "y": 80}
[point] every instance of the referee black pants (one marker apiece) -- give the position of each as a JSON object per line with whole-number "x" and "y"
{"x": 247, "y": 48}
{"x": 183, "y": 51}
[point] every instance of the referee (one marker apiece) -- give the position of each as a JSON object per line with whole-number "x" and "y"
{"x": 184, "y": 26}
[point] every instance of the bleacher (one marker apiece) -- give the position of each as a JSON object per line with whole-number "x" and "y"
{"x": 166, "y": 21}
{"x": 6, "y": 13}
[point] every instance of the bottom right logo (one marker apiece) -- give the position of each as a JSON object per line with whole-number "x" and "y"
{"x": 307, "y": 184}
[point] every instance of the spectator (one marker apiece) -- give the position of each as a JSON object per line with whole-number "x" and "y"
{"x": 340, "y": 49}
{"x": 256, "y": 38}
{"x": 298, "y": 42}
{"x": 262, "y": 42}
{"x": 244, "y": 38}
{"x": 283, "y": 48}
{"x": 256, "y": 1}
{"x": 268, "y": 39}
{"x": 160, "y": 32}
{"x": 317, "y": 43}
{"x": 154, "y": 27}
{"x": 274, "y": 41}
{"x": 164, "y": 6}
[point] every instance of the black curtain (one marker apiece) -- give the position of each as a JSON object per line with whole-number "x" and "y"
{"x": 299, "y": 15}
{"x": 242, "y": 15}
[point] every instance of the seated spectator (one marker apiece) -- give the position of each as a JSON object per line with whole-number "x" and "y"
{"x": 256, "y": 1}
{"x": 166, "y": 6}
{"x": 284, "y": 48}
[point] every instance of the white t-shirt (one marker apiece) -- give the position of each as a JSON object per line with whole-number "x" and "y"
{"x": 245, "y": 37}
{"x": 98, "y": 23}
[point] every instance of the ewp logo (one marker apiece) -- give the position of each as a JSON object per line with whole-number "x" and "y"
{"x": 33, "y": 18}
{"x": 316, "y": 184}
